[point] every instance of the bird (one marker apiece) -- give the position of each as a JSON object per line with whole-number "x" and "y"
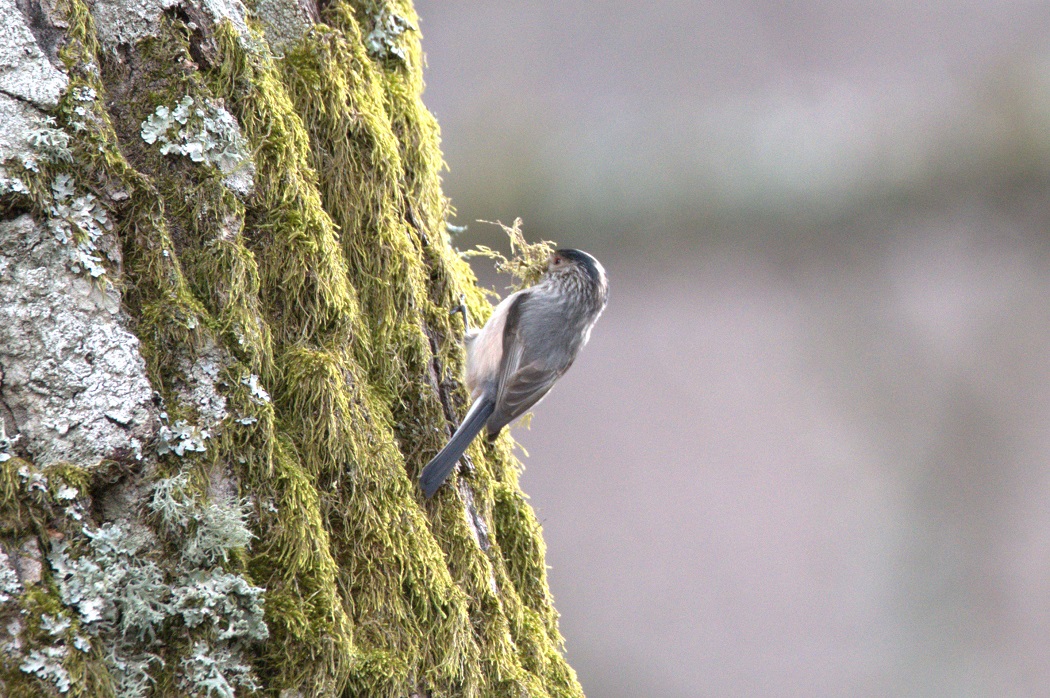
{"x": 529, "y": 342}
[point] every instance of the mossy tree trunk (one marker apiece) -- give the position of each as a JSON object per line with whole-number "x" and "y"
{"x": 226, "y": 353}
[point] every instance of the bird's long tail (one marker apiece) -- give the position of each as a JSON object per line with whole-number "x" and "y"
{"x": 443, "y": 463}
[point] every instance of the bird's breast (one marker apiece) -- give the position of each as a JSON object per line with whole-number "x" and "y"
{"x": 485, "y": 350}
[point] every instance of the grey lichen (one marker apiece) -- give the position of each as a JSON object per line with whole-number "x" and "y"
{"x": 225, "y": 603}
{"x": 112, "y": 578}
{"x": 259, "y": 393}
{"x": 33, "y": 480}
{"x": 205, "y": 133}
{"x": 115, "y": 586}
{"x": 20, "y": 119}
{"x": 120, "y": 596}
{"x": 79, "y": 223}
{"x": 28, "y": 139}
{"x": 12, "y": 647}
{"x": 215, "y": 672}
{"x": 199, "y": 386}
{"x": 83, "y": 114}
{"x": 6, "y": 442}
{"x": 72, "y": 375}
{"x": 133, "y": 673}
{"x": 209, "y": 532}
{"x": 181, "y": 438}
{"x": 11, "y": 185}
{"x": 10, "y": 587}
{"x": 51, "y": 143}
{"x": 219, "y": 529}
{"x": 47, "y": 664}
{"x": 383, "y": 41}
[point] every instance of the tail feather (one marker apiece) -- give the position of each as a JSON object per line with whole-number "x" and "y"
{"x": 442, "y": 464}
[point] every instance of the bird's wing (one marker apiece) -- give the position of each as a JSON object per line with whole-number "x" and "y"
{"x": 522, "y": 390}
{"x": 520, "y": 385}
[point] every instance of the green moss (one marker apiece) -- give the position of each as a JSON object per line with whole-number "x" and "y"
{"x": 30, "y": 496}
{"x": 21, "y": 511}
{"x": 225, "y": 276}
{"x": 385, "y": 132}
{"x": 311, "y": 645}
{"x": 523, "y": 552}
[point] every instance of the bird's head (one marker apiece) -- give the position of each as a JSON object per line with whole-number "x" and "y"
{"x": 575, "y": 268}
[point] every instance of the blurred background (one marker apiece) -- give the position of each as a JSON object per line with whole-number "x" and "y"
{"x": 806, "y": 452}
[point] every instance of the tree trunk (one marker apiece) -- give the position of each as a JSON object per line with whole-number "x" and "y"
{"x": 226, "y": 353}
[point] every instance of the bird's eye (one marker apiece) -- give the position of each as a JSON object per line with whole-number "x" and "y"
{"x": 557, "y": 261}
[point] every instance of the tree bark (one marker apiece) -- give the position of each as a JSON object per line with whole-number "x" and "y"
{"x": 225, "y": 355}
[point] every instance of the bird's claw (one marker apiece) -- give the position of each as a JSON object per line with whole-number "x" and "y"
{"x": 462, "y": 310}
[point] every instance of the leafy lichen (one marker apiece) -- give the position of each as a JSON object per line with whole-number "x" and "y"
{"x": 181, "y": 438}
{"x": 47, "y": 664}
{"x": 382, "y": 41}
{"x": 205, "y": 133}
{"x": 127, "y": 601}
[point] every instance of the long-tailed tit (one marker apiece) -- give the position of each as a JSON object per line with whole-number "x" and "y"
{"x": 529, "y": 342}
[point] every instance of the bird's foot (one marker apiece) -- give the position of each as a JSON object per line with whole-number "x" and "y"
{"x": 462, "y": 310}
